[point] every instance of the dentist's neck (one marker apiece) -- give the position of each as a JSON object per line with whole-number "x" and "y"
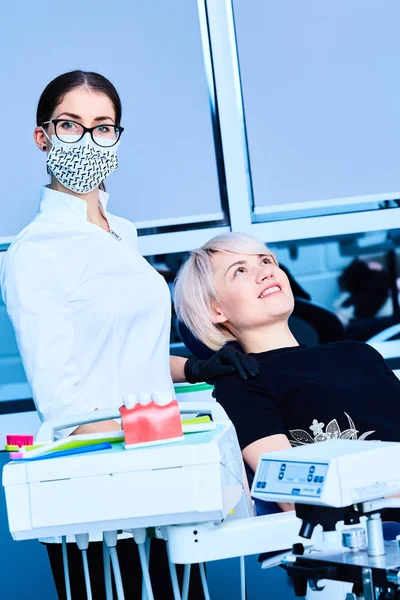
{"x": 94, "y": 214}
{"x": 270, "y": 337}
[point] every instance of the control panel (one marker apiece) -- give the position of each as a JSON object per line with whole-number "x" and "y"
{"x": 291, "y": 478}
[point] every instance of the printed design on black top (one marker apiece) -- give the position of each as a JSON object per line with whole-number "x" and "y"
{"x": 332, "y": 432}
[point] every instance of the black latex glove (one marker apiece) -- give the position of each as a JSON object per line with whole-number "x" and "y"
{"x": 224, "y": 362}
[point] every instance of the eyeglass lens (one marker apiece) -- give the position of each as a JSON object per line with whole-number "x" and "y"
{"x": 70, "y": 131}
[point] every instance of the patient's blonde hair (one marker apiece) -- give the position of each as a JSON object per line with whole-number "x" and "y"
{"x": 195, "y": 294}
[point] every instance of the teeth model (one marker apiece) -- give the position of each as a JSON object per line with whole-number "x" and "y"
{"x": 144, "y": 398}
{"x": 129, "y": 400}
{"x": 150, "y": 418}
{"x": 160, "y": 398}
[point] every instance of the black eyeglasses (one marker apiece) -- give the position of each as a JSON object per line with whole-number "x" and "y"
{"x": 104, "y": 135}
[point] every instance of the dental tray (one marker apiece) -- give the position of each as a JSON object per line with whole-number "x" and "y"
{"x": 83, "y": 442}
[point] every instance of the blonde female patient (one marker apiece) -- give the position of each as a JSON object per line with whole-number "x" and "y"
{"x": 232, "y": 289}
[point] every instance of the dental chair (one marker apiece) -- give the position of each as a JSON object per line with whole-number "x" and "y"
{"x": 387, "y": 343}
{"x": 326, "y": 325}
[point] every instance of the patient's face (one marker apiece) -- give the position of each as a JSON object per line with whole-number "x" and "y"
{"x": 252, "y": 290}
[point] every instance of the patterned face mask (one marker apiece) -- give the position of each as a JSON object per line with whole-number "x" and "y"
{"x": 81, "y": 166}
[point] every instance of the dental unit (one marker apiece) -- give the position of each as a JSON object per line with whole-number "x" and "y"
{"x": 339, "y": 485}
{"x": 191, "y": 490}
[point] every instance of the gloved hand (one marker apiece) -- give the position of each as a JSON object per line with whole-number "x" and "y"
{"x": 224, "y": 362}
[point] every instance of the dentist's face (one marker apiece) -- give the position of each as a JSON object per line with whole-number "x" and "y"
{"x": 80, "y": 105}
{"x": 252, "y": 291}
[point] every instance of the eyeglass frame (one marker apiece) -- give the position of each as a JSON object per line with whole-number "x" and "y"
{"x": 85, "y": 130}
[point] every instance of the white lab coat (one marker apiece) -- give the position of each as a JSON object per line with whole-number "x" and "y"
{"x": 91, "y": 316}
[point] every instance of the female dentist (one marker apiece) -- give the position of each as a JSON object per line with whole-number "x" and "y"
{"x": 91, "y": 316}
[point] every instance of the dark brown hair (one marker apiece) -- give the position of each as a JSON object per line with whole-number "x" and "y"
{"x": 55, "y": 91}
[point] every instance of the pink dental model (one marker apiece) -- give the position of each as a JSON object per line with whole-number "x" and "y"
{"x": 149, "y": 419}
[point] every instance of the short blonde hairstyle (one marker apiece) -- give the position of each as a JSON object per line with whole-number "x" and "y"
{"x": 194, "y": 290}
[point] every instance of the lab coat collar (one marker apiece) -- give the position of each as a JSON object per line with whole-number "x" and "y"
{"x": 54, "y": 201}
